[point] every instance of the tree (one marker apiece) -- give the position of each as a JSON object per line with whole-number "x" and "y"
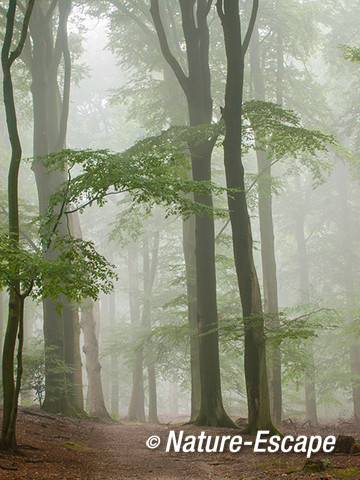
{"x": 197, "y": 89}
{"x": 267, "y": 234}
{"x": 15, "y": 325}
{"x": 43, "y": 57}
{"x": 255, "y": 354}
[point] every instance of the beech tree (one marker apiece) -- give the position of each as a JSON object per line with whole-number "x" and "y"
{"x": 259, "y": 416}
{"x": 196, "y": 86}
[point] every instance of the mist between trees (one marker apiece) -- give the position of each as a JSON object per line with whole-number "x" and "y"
{"x": 178, "y": 220}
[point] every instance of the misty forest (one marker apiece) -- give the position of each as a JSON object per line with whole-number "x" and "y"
{"x": 179, "y": 237}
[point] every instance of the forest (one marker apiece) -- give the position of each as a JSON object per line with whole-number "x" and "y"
{"x": 179, "y": 263}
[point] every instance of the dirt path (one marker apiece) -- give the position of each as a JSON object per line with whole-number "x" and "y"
{"x": 55, "y": 447}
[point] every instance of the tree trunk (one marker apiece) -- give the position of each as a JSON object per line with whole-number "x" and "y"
{"x": 149, "y": 273}
{"x": 190, "y": 266}
{"x": 114, "y": 362}
{"x": 267, "y": 241}
{"x": 15, "y": 325}
{"x": 173, "y": 401}
{"x": 197, "y": 88}
{"x": 95, "y": 396}
{"x": 255, "y": 354}
{"x": 347, "y": 240}
{"x": 136, "y": 411}
{"x": 72, "y": 354}
{"x": 310, "y": 373}
{"x": 61, "y": 330}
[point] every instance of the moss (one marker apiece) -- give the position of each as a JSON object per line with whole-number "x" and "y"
{"x": 75, "y": 446}
{"x": 313, "y": 466}
{"x": 350, "y": 472}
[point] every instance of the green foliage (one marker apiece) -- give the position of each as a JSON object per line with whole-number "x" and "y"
{"x": 78, "y": 272}
{"x": 152, "y": 171}
{"x": 351, "y": 53}
{"x": 279, "y": 131}
{"x": 34, "y": 368}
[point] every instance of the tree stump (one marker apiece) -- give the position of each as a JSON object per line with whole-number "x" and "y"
{"x": 346, "y": 444}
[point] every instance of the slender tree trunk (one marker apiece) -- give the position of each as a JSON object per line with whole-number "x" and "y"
{"x": 310, "y": 372}
{"x": 149, "y": 273}
{"x": 15, "y": 325}
{"x": 114, "y": 361}
{"x": 136, "y": 411}
{"x": 95, "y": 396}
{"x": 190, "y": 266}
{"x": 267, "y": 240}
{"x": 255, "y": 353}
{"x": 173, "y": 401}
{"x": 347, "y": 241}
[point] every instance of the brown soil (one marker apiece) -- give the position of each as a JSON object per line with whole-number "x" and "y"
{"x": 55, "y": 447}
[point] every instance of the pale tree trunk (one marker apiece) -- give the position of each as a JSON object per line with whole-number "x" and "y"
{"x": 173, "y": 401}
{"x": 179, "y": 116}
{"x": 136, "y": 412}
{"x": 95, "y": 396}
{"x": 50, "y": 122}
{"x": 114, "y": 361}
{"x": 310, "y": 372}
{"x": 190, "y": 269}
{"x": 150, "y": 263}
{"x": 349, "y": 259}
{"x": 267, "y": 239}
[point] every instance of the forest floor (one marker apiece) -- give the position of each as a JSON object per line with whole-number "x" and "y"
{"x": 56, "y": 447}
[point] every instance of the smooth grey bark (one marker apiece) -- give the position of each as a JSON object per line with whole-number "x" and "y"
{"x": 136, "y": 412}
{"x": 150, "y": 264}
{"x": 347, "y": 254}
{"x": 310, "y": 372}
{"x": 196, "y": 85}
{"x": 95, "y": 396}
{"x": 267, "y": 237}
{"x": 190, "y": 269}
{"x": 43, "y": 57}
{"x": 114, "y": 361}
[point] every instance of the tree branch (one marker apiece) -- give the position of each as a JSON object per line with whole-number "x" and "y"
{"x": 164, "y": 45}
{"x": 17, "y": 52}
{"x": 250, "y": 29}
{"x": 220, "y": 10}
{"x": 50, "y": 12}
{"x": 67, "y": 77}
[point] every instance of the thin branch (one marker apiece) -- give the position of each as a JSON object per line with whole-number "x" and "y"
{"x": 92, "y": 200}
{"x": 220, "y": 9}
{"x": 250, "y": 29}
{"x": 208, "y": 7}
{"x": 253, "y": 183}
{"x": 17, "y": 52}
{"x": 164, "y": 45}
{"x": 21, "y": 7}
{"x": 50, "y": 12}
{"x": 142, "y": 25}
{"x": 67, "y": 79}
{"x": 267, "y": 167}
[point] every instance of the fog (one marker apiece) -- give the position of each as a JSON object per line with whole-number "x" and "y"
{"x": 138, "y": 342}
